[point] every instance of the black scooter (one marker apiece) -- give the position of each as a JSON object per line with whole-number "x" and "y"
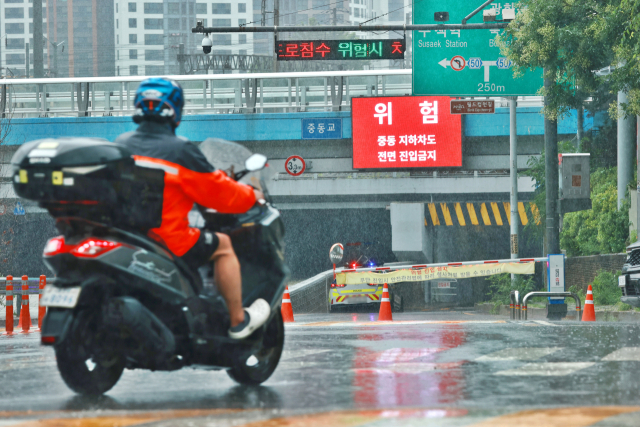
{"x": 120, "y": 300}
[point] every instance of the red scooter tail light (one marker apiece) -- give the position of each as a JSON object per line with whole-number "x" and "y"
{"x": 88, "y": 248}
{"x": 48, "y": 340}
{"x": 56, "y": 246}
{"x": 92, "y": 247}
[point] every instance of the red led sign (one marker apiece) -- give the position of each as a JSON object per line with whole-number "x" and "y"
{"x": 302, "y": 50}
{"x": 405, "y": 132}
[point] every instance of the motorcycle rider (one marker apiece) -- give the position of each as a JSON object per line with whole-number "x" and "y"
{"x": 189, "y": 179}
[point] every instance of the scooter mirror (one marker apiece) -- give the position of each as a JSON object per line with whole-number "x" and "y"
{"x": 255, "y": 162}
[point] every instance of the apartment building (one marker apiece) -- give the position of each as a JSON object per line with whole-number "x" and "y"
{"x": 84, "y": 43}
{"x": 232, "y": 13}
{"x": 16, "y": 28}
{"x": 148, "y": 34}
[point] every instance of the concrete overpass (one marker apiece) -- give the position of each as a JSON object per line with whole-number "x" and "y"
{"x": 332, "y": 201}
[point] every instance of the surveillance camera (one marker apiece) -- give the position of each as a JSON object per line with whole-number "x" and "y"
{"x": 508, "y": 15}
{"x": 441, "y": 16}
{"x": 489, "y": 15}
{"x": 206, "y": 44}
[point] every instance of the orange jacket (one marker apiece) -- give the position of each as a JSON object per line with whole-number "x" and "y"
{"x": 189, "y": 178}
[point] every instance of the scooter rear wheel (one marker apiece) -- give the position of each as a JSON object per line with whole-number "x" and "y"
{"x": 249, "y": 372}
{"x": 84, "y": 369}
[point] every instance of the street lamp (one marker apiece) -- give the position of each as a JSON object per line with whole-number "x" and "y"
{"x": 55, "y": 53}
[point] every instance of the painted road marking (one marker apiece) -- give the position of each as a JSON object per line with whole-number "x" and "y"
{"x": 393, "y": 323}
{"x": 554, "y": 417}
{"x": 625, "y": 354}
{"x": 522, "y": 353}
{"x": 552, "y": 369}
{"x": 544, "y": 322}
{"x": 295, "y": 354}
{"x": 559, "y": 417}
{"x": 408, "y": 368}
{"x": 122, "y": 420}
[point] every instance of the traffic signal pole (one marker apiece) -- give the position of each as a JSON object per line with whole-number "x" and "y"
{"x": 361, "y": 28}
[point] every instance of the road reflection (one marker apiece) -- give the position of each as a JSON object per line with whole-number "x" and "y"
{"x": 409, "y": 376}
{"x": 238, "y": 397}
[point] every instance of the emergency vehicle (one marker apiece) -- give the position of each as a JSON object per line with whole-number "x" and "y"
{"x": 348, "y": 297}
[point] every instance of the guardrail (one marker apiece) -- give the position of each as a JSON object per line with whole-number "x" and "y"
{"x": 552, "y": 294}
{"x": 210, "y": 93}
{"x": 306, "y": 296}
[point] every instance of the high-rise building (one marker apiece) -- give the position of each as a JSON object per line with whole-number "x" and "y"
{"x": 232, "y": 14}
{"x": 148, "y": 34}
{"x": 16, "y": 28}
{"x": 86, "y": 28}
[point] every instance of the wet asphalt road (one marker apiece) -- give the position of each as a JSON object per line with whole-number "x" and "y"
{"x": 432, "y": 368}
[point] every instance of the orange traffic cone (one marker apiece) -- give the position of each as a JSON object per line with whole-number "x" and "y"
{"x": 385, "y": 305}
{"x": 25, "y": 316}
{"x": 589, "y": 313}
{"x": 286, "y": 308}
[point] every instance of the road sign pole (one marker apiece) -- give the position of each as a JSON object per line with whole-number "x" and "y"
{"x": 551, "y": 180}
{"x": 513, "y": 156}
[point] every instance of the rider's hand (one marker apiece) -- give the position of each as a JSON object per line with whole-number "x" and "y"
{"x": 259, "y": 195}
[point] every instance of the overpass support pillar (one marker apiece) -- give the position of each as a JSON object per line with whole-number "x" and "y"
{"x": 409, "y": 239}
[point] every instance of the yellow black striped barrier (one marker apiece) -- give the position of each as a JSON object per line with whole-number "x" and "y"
{"x": 481, "y": 213}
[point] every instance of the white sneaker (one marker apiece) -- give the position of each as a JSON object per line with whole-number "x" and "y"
{"x": 255, "y": 316}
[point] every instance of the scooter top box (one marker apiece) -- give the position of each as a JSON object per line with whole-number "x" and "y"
{"x": 85, "y": 177}
{"x": 70, "y": 170}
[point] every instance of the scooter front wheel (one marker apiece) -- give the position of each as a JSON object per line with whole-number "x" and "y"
{"x": 259, "y": 367}
{"x": 83, "y": 367}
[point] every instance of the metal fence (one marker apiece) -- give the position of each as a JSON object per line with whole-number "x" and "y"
{"x": 210, "y": 93}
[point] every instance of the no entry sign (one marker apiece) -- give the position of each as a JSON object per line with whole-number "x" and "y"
{"x": 295, "y": 165}
{"x": 405, "y": 132}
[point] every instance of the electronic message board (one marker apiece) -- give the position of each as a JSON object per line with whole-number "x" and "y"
{"x": 405, "y": 132}
{"x": 305, "y": 50}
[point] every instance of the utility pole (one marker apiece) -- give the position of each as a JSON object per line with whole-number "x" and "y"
{"x": 551, "y": 178}
{"x": 55, "y": 59}
{"x": 26, "y": 48}
{"x": 181, "y": 58}
{"x": 513, "y": 166}
{"x": 38, "y": 66}
{"x": 626, "y": 140}
{"x": 276, "y": 23}
{"x": 637, "y": 184}
{"x": 580, "y": 132}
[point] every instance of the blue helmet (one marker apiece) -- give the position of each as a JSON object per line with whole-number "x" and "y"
{"x": 159, "y": 99}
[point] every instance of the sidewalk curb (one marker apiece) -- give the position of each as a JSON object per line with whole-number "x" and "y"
{"x": 541, "y": 313}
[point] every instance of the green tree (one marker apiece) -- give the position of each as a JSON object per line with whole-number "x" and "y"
{"x": 537, "y": 172}
{"x": 602, "y": 229}
{"x": 569, "y": 39}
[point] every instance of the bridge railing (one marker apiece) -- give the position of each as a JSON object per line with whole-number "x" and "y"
{"x": 208, "y": 93}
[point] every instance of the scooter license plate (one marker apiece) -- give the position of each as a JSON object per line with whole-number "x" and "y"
{"x": 60, "y": 297}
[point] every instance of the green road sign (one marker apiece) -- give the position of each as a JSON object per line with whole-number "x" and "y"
{"x": 463, "y": 62}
